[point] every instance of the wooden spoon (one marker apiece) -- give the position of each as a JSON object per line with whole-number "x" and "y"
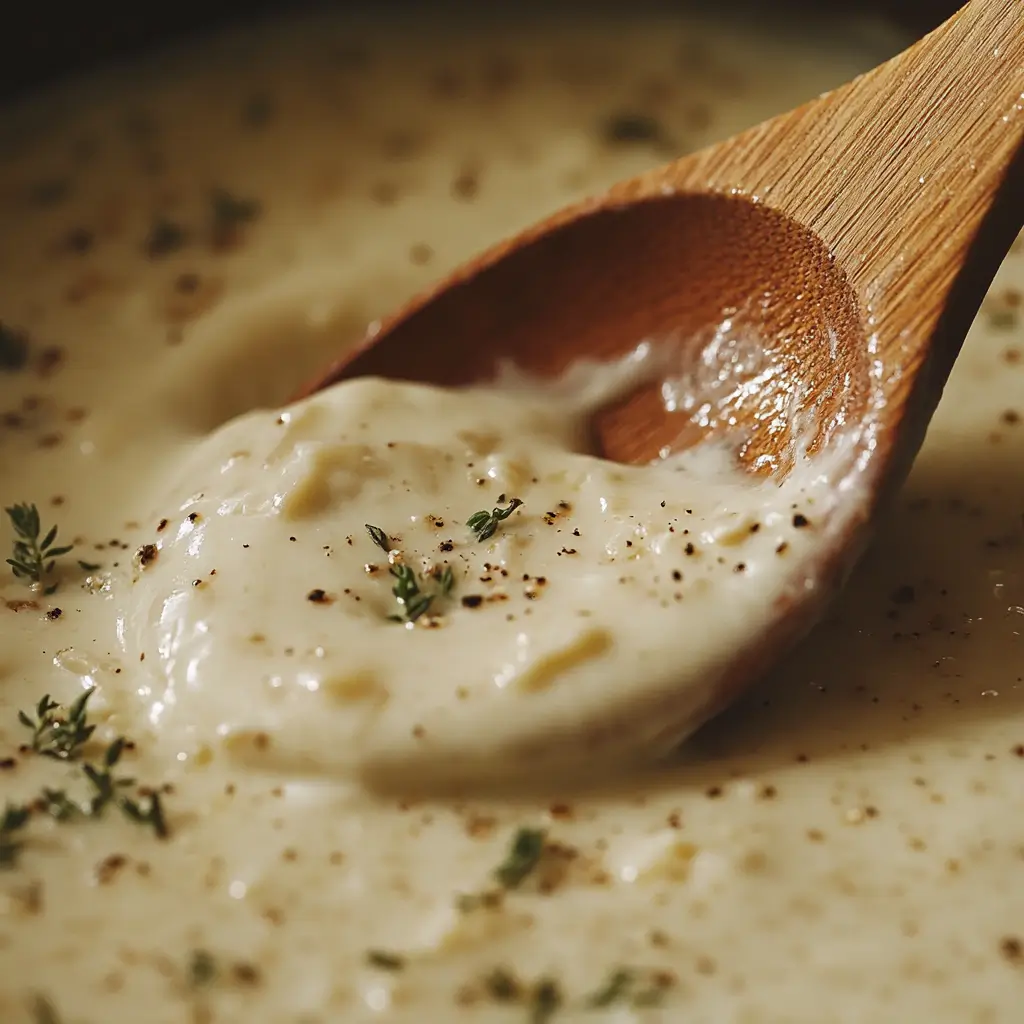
{"x": 855, "y": 236}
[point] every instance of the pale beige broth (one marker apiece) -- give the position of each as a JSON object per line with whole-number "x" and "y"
{"x": 844, "y": 845}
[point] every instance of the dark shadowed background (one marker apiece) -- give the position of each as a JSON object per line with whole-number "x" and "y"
{"x": 44, "y": 42}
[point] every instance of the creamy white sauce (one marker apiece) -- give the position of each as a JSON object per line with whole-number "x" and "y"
{"x": 845, "y": 845}
{"x": 264, "y": 612}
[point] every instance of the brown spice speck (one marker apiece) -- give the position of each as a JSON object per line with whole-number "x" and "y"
{"x": 1012, "y": 949}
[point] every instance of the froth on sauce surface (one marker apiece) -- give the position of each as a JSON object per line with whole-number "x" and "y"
{"x": 182, "y": 246}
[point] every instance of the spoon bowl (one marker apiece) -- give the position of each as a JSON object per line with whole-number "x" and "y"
{"x": 807, "y": 286}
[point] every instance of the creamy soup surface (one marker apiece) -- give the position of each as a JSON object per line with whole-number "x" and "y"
{"x": 205, "y": 839}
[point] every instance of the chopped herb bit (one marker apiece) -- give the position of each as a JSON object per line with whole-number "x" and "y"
{"x": 379, "y": 537}
{"x": 165, "y": 236}
{"x": 446, "y": 580}
{"x": 56, "y": 803}
{"x": 147, "y": 811}
{"x": 14, "y": 819}
{"x": 412, "y": 599}
{"x": 545, "y": 999}
{"x": 627, "y": 986}
{"x": 484, "y": 523}
{"x": 32, "y": 558}
{"x": 630, "y": 127}
{"x": 616, "y": 988}
{"x": 408, "y": 594}
{"x": 89, "y": 566}
{"x": 13, "y": 349}
{"x": 106, "y": 785}
{"x": 109, "y": 789}
{"x": 58, "y": 734}
{"x": 44, "y": 1012}
{"x": 230, "y": 213}
{"x": 202, "y": 968}
{"x": 523, "y": 856}
{"x": 503, "y": 986}
{"x": 384, "y": 960}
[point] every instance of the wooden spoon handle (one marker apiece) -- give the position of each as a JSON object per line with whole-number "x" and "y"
{"x": 902, "y": 173}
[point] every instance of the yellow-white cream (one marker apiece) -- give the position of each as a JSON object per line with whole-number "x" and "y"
{"x": 845, "y": 845}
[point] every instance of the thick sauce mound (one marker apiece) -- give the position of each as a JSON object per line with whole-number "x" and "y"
{"x": 316, "y": 596}
{"x": 183, "y": 244}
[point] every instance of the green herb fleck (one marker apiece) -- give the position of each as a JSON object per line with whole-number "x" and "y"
{"x": 57, "y": 734}
{"x": 446, "y": 580}
{"x": 109, "y": 789}
{"x": 106, "y": 785}
{"x": 503, "y": 986}
{"x": 380, "y": 538}
{"x": 58, "y": 805}
{"x": 544, "y": 1001}
{"x": 202, "y": 968}
{"x": 147, "y": 811}
{"x": 89, "y": 566}
{"x": 630, "y": 127}
{"x": 14, "y": 819}
{"x": 13, "y": 349}
{"x": 32, "y": 558}
{"x": 44, "y": 1012}
{"x": 627, "y": 986}
{"x": 165, "y": 236}
{"x": 229, "y": 213}
{"x": 616, "y": 988}
{"x": 384, "y": 960}
{"x": 484, "y": 523}
{"x": 412, "y": 599}
{"x": 524, "y": 854}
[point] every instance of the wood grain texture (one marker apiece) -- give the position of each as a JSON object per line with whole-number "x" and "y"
{"x": 836, "y": 229}
{"x": 812, "y": 277}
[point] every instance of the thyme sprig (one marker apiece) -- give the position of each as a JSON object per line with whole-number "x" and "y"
{"x": 56, "y": 733}
{"x": 413, "y": 600}
{"x": 32, "y": 558}
{"x": 484, "y": 523}
{"x": 61, "y": 735}
{"x": 110, "y": 789}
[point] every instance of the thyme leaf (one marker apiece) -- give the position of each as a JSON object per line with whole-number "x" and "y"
{"x": 202, "y": 968}
{"x": 524, "y": 854}
{"x": 385, "y": 961}
{"x": 484, "y": 523}
{"x": 627, "y": 986}
{"x": 32, "y": 558}
{"x": 58, "y": 734}
{"x": 544, "y": 1000}
{"x": 379, "y": 537}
